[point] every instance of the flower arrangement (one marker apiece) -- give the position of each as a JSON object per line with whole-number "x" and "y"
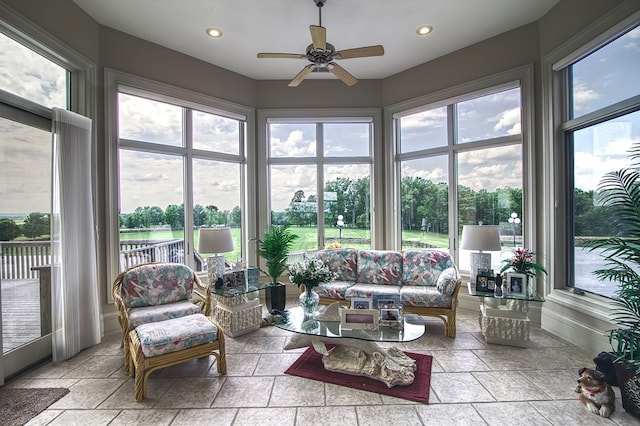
{"x": 523, "y": 262}
{"x": 335, "y": 245}
{"x": 310, "y": 273}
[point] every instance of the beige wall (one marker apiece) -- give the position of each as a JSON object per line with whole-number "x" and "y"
{"x": 110, "y": 48}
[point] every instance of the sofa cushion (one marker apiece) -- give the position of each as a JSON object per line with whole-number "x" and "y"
{"x": 423, "y": 266}
{"x": 147, "y": 314}
{"x": 447, "y": 281}
{"x": 379, "y": 267}
{"x": 340, "y": 261}
{"x": 333, "y": 290}
{"x": 424, "y": 296}
{"x": 368, "y": 290}
{"x": 156, "y": 284}
{"x": 176, "y": 334}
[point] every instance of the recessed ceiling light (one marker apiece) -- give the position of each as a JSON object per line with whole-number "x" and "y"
{"x": 424, "y": 30}
{"x": 214, "y": 32}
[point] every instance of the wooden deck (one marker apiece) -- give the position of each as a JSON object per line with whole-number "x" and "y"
{"x": 20, "y": 312}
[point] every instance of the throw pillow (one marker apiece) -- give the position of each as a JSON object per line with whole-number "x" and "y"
{"x": 447, "y": 281}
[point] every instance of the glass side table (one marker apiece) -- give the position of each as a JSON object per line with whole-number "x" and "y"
{"x": 505, "y": 320}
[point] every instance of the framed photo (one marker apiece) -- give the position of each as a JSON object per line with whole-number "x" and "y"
{"x": 485, "y": 284}
{"x": 357, "y": 319}
{"x": 390, "y": 315}
{"x": 361, "y": 303}
{"x": 517, "y": 284}
{"x": 382, "y": 300}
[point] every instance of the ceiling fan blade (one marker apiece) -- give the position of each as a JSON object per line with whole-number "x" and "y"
{"x": 301, "y": 75}
{"x": 342, "y": 74}
{"x": 319, "y": 37}
{"x": 360, "y": 52}
{"x": 282, "y": 55}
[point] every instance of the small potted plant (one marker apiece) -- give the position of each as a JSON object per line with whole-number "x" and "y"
{"x": 274, "y": 248}
{"x": 309, "y": 274}
{"x": 619, "y": 192}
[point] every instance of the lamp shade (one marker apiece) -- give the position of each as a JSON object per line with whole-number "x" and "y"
{"x": 215, "y": 240}
{"x": 480, "y": 237}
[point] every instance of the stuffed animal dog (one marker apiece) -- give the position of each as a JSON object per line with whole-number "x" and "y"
{"x": 596, "y": 395}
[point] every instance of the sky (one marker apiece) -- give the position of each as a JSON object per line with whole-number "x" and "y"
{"x": 608, "y": 76}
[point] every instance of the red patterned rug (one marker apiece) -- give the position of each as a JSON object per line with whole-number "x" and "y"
{"x": 309, "y": 365}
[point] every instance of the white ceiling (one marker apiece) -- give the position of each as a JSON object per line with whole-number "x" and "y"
{"x": 252, "y": 26}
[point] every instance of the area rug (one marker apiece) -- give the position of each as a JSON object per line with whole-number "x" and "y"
{"x": 309, "y": 365}
{"x": 19, "y": 405}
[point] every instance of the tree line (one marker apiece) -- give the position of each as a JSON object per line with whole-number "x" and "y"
{"x": 34, "y": 225}
{"x": 173, "y": 216}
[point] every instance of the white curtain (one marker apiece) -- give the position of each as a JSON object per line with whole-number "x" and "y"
{"x": 74, "y": 278}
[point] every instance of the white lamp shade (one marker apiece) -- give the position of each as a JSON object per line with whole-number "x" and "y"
{"x": 480, "y": 237}
{"x": 215, "y": 240}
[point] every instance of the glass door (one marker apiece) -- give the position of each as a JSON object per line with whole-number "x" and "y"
{"x": 25, "y": 204}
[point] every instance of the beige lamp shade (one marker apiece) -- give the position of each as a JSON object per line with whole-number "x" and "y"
{"x": 480, "y": 237}
{"x": 215, "y": 240}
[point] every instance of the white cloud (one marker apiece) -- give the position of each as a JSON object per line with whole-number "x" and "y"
{"x": 582, "y": 95}
{"x": 431, "y": 118}
{"x": 510, "y": 120}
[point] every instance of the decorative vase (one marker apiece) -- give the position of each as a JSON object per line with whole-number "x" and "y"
{"x": 309, "y": 300}
{"x": 275, "y": 297}
{"x": 629, "y": 383}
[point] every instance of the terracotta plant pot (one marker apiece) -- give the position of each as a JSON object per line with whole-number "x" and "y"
{"x": 629, "y": 383}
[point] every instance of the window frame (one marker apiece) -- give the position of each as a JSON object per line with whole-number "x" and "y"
{"x": 335, "y": 115}
{"x": 116, "y": 82}
{"x": 519, "y": 77}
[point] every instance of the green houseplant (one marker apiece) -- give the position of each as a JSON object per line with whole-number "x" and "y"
{"x": 619, "y": 192}
{"x": 274, "y": 248}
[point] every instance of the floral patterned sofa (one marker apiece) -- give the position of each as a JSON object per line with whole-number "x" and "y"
{"x": 425, "y": 281}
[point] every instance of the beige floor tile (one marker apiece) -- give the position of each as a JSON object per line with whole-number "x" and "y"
{"x": 125, "y": 398}
{"x": 275, "y": 364}
{"x": 463, "y": 341}
{"x": 458, "y": 387}
{"x": 512, "y": 413}
{"x": 43, "y": 383}
{"x": 85, "y": 417}
{"x": 239, "y": 365}
{"x": 44, "y": 418}
{"x": 558, "y": 384}
{"x": 459, "y": 361}
{"x": 449, "y": 414}
{"x": 193, "y": 393}
{"x": 264, "y": 345}
{"x": 265, "y": 417}
{"x": 572, "y": 412}
{"x": 96, "y": 367}
{"x": 289, "y": 391}
{"x": 244, "y": 392}
{"x": 341, "y": 395}
{"x": 87, "y": 393}
{"x": 327, "y": 416}
{"x": 194, "y": 368}
{"x": 387, "y": 415}
{"x": 144, "y": 417}
{"x": 510, "y": 386}
{"x": 205, "y": 417}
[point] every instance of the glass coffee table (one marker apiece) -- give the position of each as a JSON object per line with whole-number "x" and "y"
{"x": 356, "y": 351}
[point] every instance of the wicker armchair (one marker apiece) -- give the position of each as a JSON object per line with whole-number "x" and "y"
{"x": 153, "y": 292}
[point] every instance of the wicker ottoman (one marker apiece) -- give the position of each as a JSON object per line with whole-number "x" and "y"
{"x": 165, "y": 343}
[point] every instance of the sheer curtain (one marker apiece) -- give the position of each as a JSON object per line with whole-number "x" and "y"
{"x": 74, "y": 278}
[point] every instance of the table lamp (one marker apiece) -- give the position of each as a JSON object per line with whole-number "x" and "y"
{"x": 215, "y": 241}
{"x": 481, "y": 238}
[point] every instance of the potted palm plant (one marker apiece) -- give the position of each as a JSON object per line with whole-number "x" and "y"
{"x": 619, "y": 192}
{"x": 274, "y": 248}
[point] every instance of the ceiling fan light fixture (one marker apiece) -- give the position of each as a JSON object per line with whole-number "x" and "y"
{"x": 213, "y": 32}
{"x": 424, "y": 30}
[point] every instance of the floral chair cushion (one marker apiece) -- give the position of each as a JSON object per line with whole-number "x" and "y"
{"x": 368, "y": 290}
{"x": 176, "y": 334}
{"x": 147, "y": 314}
{"x": 423, "y": 266}
{"x": 424, "y": 296}
{"x": 447, "y": 281}
{"x": 379, "y": 267}
{"x": 156, "y": 284}
{"x": 333, "y": 290}
{"x": 340, "y": 261}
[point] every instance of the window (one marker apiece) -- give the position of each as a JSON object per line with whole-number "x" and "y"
{"x": 459, "y": 161}
{"x": 601, "y": 123}
{"x": 319, "y": 182}
{"x": 180, "y": 166}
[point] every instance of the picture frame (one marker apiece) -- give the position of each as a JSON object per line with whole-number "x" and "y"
{"x": 485, "y": 284}
{"x": 387, "y": 303}
{"x": 386, "y": 300}
{"x": 517, "y": 284}
{"x": 359, "y": 319}
{"x": 361, "y": 303}
{"x": 389, "y": 315}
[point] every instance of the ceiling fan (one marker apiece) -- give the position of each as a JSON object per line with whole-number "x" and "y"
{"x": 322, "y": 54}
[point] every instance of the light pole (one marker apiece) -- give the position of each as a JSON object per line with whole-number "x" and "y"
{"x": 340, "y": 224}
{"x": 514, "y": 220}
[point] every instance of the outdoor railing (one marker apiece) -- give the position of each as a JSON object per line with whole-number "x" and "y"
{"x": 19, "y": 259}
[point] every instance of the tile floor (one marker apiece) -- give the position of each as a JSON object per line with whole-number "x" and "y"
{"x": 472, "y": 383}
